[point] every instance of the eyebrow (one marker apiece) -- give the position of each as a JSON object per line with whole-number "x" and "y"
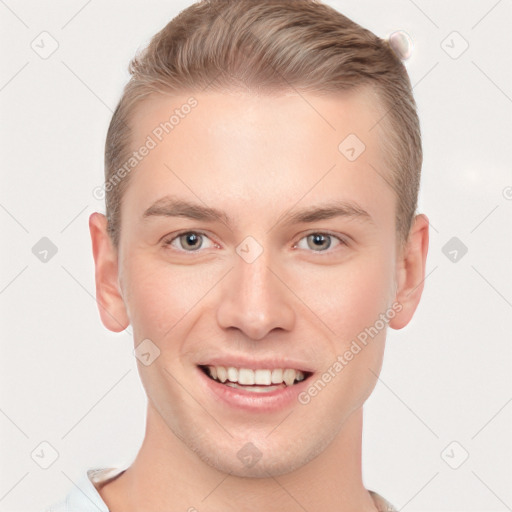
{"x": 173, "y": 207}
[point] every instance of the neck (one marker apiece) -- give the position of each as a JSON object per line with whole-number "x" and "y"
{"x": 167, "y": 475}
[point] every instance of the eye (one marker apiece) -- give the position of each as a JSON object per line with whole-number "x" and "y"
{"x": 322, "y": 241}
{"x": 190, "y": 241}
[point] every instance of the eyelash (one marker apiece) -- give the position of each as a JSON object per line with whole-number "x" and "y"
{"x": 341, "y": 240}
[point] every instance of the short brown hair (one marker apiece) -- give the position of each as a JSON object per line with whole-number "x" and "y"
{"x": 271, "y": 46}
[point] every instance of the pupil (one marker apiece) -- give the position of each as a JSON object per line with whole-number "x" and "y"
{"x": 191, "y": 239}
{"x": 318, "y": 239}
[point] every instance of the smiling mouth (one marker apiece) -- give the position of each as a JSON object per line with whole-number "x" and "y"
{"x": 261, "y": 380}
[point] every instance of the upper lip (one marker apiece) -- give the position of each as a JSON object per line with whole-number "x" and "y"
{"x": 256, "y": 364}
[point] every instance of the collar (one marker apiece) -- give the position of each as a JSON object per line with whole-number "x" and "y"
{"x": 98, "y": 476}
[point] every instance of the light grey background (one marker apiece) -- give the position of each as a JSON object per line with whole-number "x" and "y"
{"x": 69, "y": 382}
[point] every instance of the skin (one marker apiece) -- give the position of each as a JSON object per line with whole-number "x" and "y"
{"x": 255, "y": 157}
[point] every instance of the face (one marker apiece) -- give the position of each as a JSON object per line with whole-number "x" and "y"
{"x": 250, "y": 240}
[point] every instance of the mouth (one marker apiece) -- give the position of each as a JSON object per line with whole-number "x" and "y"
{"x": 255, "y": 381}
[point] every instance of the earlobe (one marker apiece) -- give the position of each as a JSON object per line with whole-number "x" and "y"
{"x": 411, "y": 272}
{"x": 110, "y": 301}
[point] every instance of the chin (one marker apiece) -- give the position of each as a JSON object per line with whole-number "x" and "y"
{"x": 269, "y": 460}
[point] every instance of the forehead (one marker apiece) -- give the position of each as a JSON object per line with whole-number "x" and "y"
{"x": 242, "y": 150}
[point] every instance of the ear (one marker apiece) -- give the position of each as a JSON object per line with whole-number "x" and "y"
{"x": 410, "y": 272}
{"x": 108, "y": 296}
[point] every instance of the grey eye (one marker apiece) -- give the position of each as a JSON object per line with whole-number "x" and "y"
{"x": 188, "y": 241}
{"x": 191, "y": 240}
{"x": 319, "y": 242}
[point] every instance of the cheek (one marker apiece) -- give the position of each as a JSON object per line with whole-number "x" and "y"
{"x": 367, "y": 294}
{"x": 347, "y": 297}
{"x": 358, "y": 299}
{"x": 159, "y": 295}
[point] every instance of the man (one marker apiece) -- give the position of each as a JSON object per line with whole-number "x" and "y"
{"x": 262, "y": 172}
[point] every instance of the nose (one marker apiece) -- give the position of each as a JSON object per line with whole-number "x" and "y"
{"x": 255, "y": 299}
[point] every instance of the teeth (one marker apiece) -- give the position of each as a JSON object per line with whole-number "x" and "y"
{"x": 289, "y": 377}
{"x": 222, "y": 374}
{"x": 248, "y": 377}
{"x": 277, "y": 376}
{"x": 263, "y": 377}
{"x": 232, "y": 374}
{"x": 255, "y": 389}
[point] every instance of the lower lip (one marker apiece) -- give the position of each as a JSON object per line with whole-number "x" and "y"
{"x": 269, "y": 401}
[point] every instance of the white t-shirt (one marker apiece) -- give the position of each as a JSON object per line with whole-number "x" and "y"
{"x": 85, "y": 497}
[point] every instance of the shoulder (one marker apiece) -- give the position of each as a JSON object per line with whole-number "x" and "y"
{"x": 82, "y": 497}
{"x": 381, "y": 503}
